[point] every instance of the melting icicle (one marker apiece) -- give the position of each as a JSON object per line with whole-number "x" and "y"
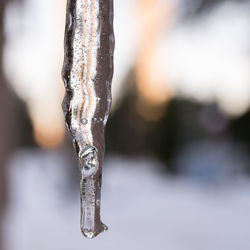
{"x": 87, "y": 75}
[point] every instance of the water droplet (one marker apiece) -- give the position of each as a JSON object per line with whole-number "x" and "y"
{"x": 88, "y": 234}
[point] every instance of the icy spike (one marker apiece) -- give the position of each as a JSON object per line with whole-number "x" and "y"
{"x": 87, "y": 74}
{"x": 91, "y": 224}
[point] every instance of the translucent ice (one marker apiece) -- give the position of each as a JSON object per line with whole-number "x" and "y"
{"x": 87, "y": 75}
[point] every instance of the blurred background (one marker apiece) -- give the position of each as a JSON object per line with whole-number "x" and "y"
{"x": 176, "y": 171}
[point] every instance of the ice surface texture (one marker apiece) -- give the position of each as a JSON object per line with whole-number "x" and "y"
{"x": 87, "y": 75}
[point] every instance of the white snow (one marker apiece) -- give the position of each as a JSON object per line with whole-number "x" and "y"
{"x": 144, "y": 209}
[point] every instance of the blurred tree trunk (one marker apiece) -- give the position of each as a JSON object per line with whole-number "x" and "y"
{"x": 13, "y": 121}
{"x": 2, "y": 121}
{"x": 154, "y": 18}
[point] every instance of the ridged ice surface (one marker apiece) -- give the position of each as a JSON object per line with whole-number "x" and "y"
{"x": 87, "y": 75}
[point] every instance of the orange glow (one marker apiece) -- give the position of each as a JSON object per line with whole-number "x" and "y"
{"x": 153, "y": 93}
{"x": 48, "y": 137}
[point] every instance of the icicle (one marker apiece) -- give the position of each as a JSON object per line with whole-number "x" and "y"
{"x": 87, "y": 75}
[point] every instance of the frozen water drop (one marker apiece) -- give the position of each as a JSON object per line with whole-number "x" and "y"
{"x": 89, "y": 161}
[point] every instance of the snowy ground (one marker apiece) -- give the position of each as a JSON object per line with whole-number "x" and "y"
{"x": 144, "y": 209}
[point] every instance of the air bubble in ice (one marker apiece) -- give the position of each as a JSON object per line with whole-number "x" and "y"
{"x": 84, "y": 121}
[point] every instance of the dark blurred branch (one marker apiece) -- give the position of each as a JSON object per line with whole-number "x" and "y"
{"x": 2, "y": 10}
{"x": 194, "y": 8}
